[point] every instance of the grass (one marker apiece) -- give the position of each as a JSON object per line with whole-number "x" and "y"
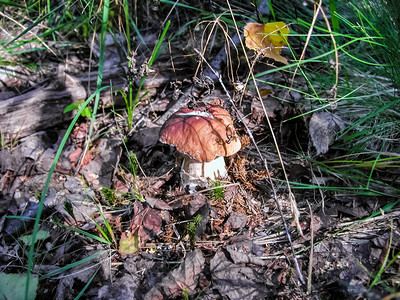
{"x": 217, "y": 191}
{"x": 82, "y": 108}
{"x": 362, "y": 90}
{"x": 30, "y": 255}
{"x": 366, "y": 97}
{"x": 131, "y": 102}
{"x": 191, "y": 230}
{"x": 131, "y": 105}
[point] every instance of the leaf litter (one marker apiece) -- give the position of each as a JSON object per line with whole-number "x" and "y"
{"x": 239, "y": 249}
{"x": 232, "y": 256}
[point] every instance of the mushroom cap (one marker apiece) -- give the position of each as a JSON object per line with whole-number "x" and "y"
{"x": 203, "y": 133}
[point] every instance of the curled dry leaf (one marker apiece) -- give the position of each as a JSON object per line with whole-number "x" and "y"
{"x": 323, "y": 128}
{"x": 267, "y": 39}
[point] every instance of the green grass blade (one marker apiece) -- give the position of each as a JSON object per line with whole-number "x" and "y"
{"x": 108, "y": 227}
{"x": 67, "y": 267}
{"x": 271, "y": 9}
{"x": 383, "y": 266}
{"x": 334, "y": 17}
{"x": 88, "y": 234}
{"x": 138, "y": 33}
{"x": 184, "y": 6}
{"x": 86, "y": 285}
{"x": 371, "y": 115}
{"x": 104, "y": 27}
{"x": 34, "y": 24}
{"x": 11, "y": 3}
{"x": 152, "y": 59}
{"x": 160, "y": 40}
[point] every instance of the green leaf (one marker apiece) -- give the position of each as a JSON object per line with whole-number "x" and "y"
{"x": 129, "y": 244}
{"x": 88, "y": 234}
{"x": 86, "y": 112}
{"x": 72, "y": 107}
{"x": 12, "y": 286}
{"x": 41, "y": 235}
{"x": 72, "y": 265}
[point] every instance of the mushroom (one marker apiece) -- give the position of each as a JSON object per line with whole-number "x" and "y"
{"x": 204, "y": 135}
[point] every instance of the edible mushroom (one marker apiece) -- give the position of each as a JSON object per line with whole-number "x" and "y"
{"x": 204, "y": 135}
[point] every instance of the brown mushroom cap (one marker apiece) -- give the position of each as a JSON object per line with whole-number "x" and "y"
{"x": 202, "y": 133}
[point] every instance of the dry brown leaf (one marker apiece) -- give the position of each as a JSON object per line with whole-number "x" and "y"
{"x": 187, "y": 278}
{"x": 268, "y": 39}
{"x": 152, "y": 220}
{"x": 323, "y": 128}
{"x": 73, "y": 157}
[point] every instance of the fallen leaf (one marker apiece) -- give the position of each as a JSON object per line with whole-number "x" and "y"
{"x": 266, "y": 92}
{"x": 120, "y": 187}
{"x": 157, "y": 203}
{"x": 197, "y": 202}
{"x": 87, "y": 158}
{"x": 268, "y": 39}
{"x": 137, "y": 223}
{"x": 184, "y": 278}
{"x": 152, "y": 220}
{"x": 323, "y": 128}
{"x": 246, "y": 252}
{"x": 236, "y": 281}
{"x": 129, "y": 243}
{"x": 12, "y": 286}
{"x": 75, "y": 155}
{"x": 41, "y": 235}
{"x": 143, "y": 236}
{"x": 236, "y": 221}
{"x": 122, "y": 288}
{"x": 81, "y": 272}
{"x": 273, "y": 108}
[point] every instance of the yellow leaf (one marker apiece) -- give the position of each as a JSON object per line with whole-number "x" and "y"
{"x": 266, "y": 92}
{"x": 129, "y": 243}
{"x": 267, "y": 39}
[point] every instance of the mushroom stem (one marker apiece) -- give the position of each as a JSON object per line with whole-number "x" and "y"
{"x": 196, "y": 173}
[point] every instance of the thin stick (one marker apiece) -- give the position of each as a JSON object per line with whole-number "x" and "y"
{"x": 333, "y": 90}
{"x": 310, "y": 259}
{"x": 301, "y": 278}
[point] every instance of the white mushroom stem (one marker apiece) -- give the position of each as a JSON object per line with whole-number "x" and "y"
{"x": 196, "y": 173}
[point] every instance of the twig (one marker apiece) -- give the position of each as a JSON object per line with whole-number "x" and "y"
{"x": 310, "y": 260}
{"x": 182, "y": 101}
{"x": 264, "y": 161}
{"x": 333, "y": 90}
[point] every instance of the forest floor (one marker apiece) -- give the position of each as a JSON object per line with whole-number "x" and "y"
{"x": 116, "y": 222}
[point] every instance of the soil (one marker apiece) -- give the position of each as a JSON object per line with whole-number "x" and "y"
{"x": 120, "y": 201}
